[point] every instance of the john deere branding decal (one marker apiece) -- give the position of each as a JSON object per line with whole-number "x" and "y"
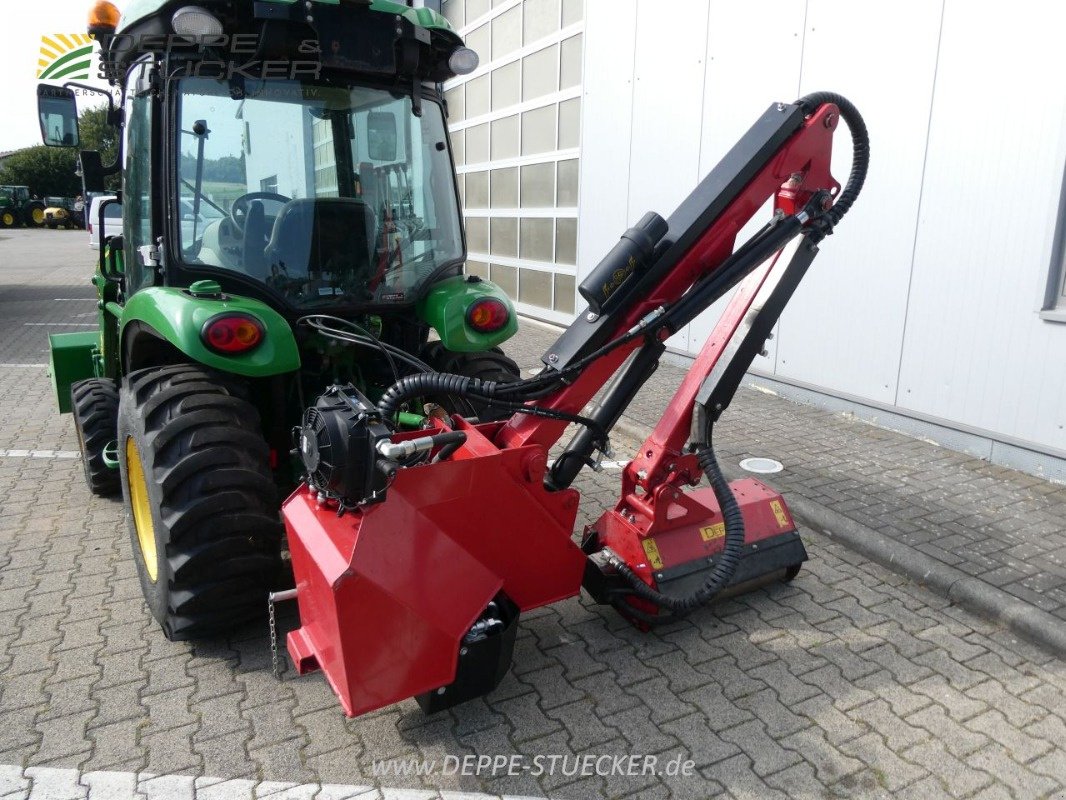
{"x": 65, "y": 55}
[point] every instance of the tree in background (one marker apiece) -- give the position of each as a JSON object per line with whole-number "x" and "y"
{"x": 50, "y": 171}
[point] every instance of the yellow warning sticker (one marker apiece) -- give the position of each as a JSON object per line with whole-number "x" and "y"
{"x": 651, "y": 550}
{"x": 712, "y": 532}
{"x": 779, "y": 513}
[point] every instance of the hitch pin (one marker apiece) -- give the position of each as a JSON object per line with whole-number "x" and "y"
{"x": 276, "y": 597}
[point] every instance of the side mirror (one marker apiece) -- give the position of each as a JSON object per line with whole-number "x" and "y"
{"x": 381, "y": 136}
{"x": 113, "y": 266}
{"x": 106, "y": 259}
{"x": 58, "y": 111}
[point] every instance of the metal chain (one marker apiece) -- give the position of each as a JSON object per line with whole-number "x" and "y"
{"x": 273, "y": 635}
{"x": 273, "y": 597}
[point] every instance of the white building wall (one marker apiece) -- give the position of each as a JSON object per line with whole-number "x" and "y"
{"x": 927, "y": 299}
{"x": 515, "y": 129}
{"x": 281, "y": 139}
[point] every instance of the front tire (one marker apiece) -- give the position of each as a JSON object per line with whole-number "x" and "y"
{"x": 203, "y": 506}
{"x": 94, "y": 403}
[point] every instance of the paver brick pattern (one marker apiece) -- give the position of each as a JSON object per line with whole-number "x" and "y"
{"x": 849, "y": 682}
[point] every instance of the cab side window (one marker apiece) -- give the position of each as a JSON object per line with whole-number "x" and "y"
{"x": 137, "y": 194}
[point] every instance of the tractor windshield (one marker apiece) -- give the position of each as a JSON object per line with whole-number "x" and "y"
{"x": 330, "y": 195}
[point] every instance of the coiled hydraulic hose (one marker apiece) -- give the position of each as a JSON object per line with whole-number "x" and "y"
{"x": 488, "y": 391}
{"x": 728, "y": 561}
{"x": 860, "y": 148}
{"x": 426, "y": 383}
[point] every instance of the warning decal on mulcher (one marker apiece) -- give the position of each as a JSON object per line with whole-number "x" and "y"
{"x": 779, "y": 514}
{"x": 712, "y": 532}
{"x": 651, "y": 550}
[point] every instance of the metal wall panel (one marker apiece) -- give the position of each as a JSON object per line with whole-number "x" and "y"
{"x": 667, "y": 109}
{"x": 607, "y": 109}
{"x": 769, "y": 64}
{"x": 976, "y": 350}
{"x": 844, "y": 327}
{"x": 927, "y": 298}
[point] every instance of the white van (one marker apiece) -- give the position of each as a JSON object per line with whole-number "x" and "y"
{"x": 112, "y": 219}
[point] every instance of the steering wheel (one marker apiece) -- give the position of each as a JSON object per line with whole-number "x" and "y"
{"x": 238, "y": 212}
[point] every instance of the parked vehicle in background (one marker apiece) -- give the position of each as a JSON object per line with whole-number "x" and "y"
{"x": 59, "y": 212}
{"x": 112, "y": 219}
{"x": 19, "y": 207}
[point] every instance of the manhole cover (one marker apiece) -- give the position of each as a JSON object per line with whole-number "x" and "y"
{"x": 763, "y": 466}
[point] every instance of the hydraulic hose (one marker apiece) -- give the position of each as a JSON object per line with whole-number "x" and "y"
{"x": 426, "y": 383}
{"x": 728, "y": 560}
{"x": 860, "y": 154}
{"x": 440, "y": 382}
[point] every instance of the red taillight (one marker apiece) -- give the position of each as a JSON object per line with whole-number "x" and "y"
{"x": 232, "y": 333}
{"x": 488, "y": 315}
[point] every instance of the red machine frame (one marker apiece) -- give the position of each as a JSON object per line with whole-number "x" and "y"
{"x": 388, "y": 591}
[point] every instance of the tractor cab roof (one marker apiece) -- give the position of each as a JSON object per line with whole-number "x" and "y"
{"x": 380, "y": 38}
{"x": 138, "y": 10}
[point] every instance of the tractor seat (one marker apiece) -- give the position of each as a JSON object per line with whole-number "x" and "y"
{"x": 325, "y": 237}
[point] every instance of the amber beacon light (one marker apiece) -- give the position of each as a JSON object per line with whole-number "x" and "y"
{"x": 103, "y": 18}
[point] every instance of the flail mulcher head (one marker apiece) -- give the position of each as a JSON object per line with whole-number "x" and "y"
{"x": 416, "y": 552}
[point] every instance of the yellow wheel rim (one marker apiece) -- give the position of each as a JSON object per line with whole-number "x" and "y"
{"x": 38, "y": 216}
{"x": 9, "y": 220}
{"x": 142, "y": 509}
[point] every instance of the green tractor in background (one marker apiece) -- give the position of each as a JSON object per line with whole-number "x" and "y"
{"x": 19, "y": 207}
{"x": 290, "y": 221}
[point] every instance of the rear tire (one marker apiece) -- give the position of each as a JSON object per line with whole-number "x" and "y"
{"x": 34, "y": 215}
{"x": 203, "y": 506}
{"x": 94, "y": 403}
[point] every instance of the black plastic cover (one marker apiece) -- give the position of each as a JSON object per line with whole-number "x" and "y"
{"x": 336, "y": 444}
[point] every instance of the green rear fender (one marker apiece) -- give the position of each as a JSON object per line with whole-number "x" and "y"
{"x": 178, "y": 317}
{"x": 444, "y": 309}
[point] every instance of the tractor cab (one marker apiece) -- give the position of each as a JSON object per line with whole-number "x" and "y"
{"x": 331, "y": 193}
{"x": 295, "y": 152}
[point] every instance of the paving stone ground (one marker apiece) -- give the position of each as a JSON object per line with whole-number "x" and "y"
{"x": 850, "y": 682}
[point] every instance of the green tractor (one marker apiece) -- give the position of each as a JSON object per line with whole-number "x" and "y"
{"x": 19, "y": 207}
{"x": 290, "y": 221}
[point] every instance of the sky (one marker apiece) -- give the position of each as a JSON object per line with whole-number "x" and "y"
{"x": 24, "y": 22}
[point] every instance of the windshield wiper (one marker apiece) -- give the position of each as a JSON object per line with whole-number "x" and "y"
{"x": 201, "y": 132}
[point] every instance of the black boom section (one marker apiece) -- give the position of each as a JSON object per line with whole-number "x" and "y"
{"x": 687, "y": 224}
